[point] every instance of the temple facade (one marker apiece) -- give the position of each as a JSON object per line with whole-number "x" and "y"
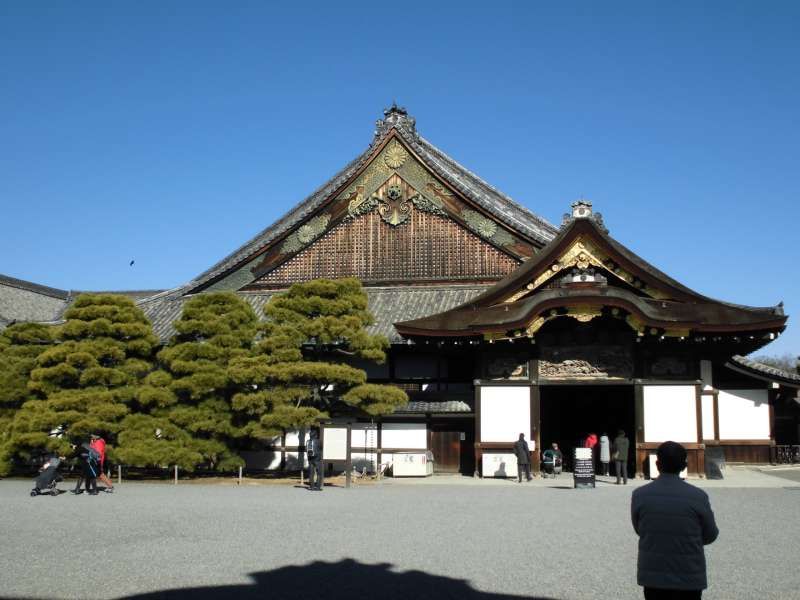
{"x": 500, "y": 323}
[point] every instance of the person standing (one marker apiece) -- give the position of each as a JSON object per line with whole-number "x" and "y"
{"x": 523, "y": 454}
{"x": 674, "y": 521}
{"x": 88, "y": 462}
{"x": 591, "y": 443}
{"x": 99, "y": 445}
{"x": 605, "y": 453}
{"x": 314, "y": 455}
{"x": 620, "y": 456}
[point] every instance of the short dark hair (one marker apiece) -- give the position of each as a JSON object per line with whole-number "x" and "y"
{"x": 671, "y": 457}
{"x": 621, "y": 432}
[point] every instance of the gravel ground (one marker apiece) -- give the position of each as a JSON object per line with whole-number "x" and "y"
{"x": 385, "y": 541}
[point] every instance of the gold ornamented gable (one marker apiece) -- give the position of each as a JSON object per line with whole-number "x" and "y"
{"x": 583, "y": 253}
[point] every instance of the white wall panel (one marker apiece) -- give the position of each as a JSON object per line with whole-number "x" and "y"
{"x": 334, "y": 443}
{"x": 743, "y": 415}
{"x": 404, "y": 435}
{"x": 670, "y": 413}
{"x": 654, "y": 472}
{"x": 293, "y": 438}
{"x": 708, "y": 417}
{"x": 497, "y": 464}
{"x": 505, "y": 413}
{"x": 261, "y": 459}
{"x": 364, "y": 435}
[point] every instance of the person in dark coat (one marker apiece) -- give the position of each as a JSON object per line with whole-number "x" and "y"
{"x": 674, "y": 521}
{"x": 523, "y": 454}
{"x": 619, "y": 454}
{"x": 314, "y": 455}
{"x": 88, "y": 469}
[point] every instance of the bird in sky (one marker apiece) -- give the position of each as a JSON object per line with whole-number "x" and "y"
{"x": 131, "y": 263}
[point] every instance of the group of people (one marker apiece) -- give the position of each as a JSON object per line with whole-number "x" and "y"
{"x": 552, "y": 458}
{"x": 608, "y": 452}
{"x": 91, "y": 458}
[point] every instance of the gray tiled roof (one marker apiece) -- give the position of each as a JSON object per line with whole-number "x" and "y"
{"x": 25, "y": 301}
{"x": 768, "y": 371}
{"x": 470, "y": 185}
{"x": 447, "y": 406}
{"x": 388, "y": 305}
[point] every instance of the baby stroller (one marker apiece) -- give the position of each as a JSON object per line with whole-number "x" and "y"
{"x": 551, "y": 464}
{"x": 46, "y": 482}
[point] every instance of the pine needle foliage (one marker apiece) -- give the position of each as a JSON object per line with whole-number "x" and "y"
{"x": 85, "y": 382}
{"x": 297, "y": 373}
{"x": 214, "y": 329}
{"x": 20, "y": 345}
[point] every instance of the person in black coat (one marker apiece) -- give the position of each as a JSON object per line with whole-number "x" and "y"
{"x": 314, "y": 454}
{"x": 88, "y": 467}
{"x": 523, "y": 454}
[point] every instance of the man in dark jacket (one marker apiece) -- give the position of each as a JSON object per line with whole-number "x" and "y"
{"x": 674, "y": 521}
{"x": 619, "y": 453}
{"x": 314, "y": 455}
{"x": 523, "y": 455}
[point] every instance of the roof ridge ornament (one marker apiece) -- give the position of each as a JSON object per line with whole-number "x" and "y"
{"x": 582, "y": 209}
{"x": 396, "y": 117}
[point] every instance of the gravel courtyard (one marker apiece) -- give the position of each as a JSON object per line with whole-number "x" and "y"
{"x": 483, "y": 540}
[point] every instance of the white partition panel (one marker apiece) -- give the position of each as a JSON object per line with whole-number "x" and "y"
{"x": 293, "y": 438}
{"x": 364, "y": 435}
{"x": 497, "y": 464}
{"x": 743, "y": 415}
{"x": 708, "y": 416}
{"x": 670, "y": 413}
{"x": 334, "y": 443}
{"x": 404, "y": 435}
{"x": 505, "y": 413}
{"x": 654, "y": 472}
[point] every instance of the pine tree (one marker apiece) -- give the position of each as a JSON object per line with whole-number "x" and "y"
{"x": 214, "y": 329}
{"x": 84, "y": 383}
{"x": 20, "y": 345}
{"x": 298, "y": 372}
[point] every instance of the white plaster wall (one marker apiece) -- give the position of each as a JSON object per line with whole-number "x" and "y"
{"x": 261, "y": 459}
{"x": 505, "y": 413}
{"x": 654, "y": 472}
{"x": 670, "y": 413}
{"x": 293, "y": 438}
{"x": 499, "y": 464}
{"x": 334, "y": 443}
{"x": 404, "y": 435}
{"x": 708, "y": 417}
{"x": 364, "y": 435}
{"x": 743, "y": 415}
{"x": 296, "y": 460}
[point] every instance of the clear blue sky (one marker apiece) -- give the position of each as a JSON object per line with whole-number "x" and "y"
{"x": 171, "y": 132}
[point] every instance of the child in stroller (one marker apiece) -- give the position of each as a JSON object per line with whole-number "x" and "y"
{"x": 48, "y": 477}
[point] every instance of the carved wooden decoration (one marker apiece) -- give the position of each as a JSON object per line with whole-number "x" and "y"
{"x": 586, "y": 362}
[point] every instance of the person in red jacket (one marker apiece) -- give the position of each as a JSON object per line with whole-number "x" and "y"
{"x": 99, "y": 444}
{"x": 591, "y": 442}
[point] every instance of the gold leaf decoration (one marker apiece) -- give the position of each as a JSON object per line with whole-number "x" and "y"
{"x": 395, "y": 155}
{"x": 305, "y": 234}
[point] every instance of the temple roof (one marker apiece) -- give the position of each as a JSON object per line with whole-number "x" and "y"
{"x": 396, "y": 122}
{"x": 626, "y": 285}
{"x": 759, "y": 370}
{"x": 387, "y": 305}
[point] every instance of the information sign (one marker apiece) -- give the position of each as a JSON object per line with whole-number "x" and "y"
{"x": 583, "y": 471}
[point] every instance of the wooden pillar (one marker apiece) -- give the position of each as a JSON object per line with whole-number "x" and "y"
{"x": 348, "y": 462}
{"x": 701, "y": 449}
{"x": 638, "y": 436}
{"x": 478, "y": 451}
{"x": 536, "y": 436}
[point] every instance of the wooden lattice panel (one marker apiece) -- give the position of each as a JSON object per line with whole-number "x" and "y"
{"x": 426, "y": 247}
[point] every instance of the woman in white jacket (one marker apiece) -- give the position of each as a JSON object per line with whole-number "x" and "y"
{"x": 605, "y": 453}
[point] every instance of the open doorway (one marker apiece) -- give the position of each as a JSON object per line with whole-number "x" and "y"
{"x": 570, "y": 412}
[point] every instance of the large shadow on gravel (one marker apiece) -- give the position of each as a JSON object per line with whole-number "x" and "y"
{"x": 343, "y": 580}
